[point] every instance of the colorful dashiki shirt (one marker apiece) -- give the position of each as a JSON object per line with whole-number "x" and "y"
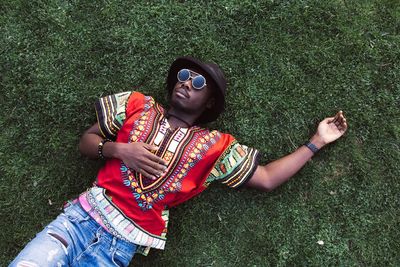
{"x": 135, "y": 208}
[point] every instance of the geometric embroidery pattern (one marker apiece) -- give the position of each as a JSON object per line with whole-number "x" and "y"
{"x": 110, "y": 112}
{"x": 235, "y": 166}
{"x": 181, "y": 148}
{"x": 120, "y": 225}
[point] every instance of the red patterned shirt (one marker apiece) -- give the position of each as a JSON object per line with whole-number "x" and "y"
{"x": 134, "y": 207}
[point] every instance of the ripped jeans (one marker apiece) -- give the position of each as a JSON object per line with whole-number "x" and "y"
{"x": 75, "y": 239}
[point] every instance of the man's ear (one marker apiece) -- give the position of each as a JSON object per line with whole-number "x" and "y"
{"x": 210, "y": 103}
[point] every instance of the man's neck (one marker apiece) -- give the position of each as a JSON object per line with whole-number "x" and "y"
{"x": 177, "y": 119}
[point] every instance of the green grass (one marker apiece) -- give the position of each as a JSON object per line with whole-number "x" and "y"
{"x": 289, "y": 65}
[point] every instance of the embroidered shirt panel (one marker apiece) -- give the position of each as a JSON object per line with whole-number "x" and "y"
{"x": 181, "y": 148}
{"x": 111, "y": 113}
{"x": 120, "y": 225}
{"x": 235, "y": 166}
{"x": 195, "y": 157}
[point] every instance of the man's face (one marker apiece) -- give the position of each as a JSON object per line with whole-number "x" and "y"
{"x": 187, "y": 99}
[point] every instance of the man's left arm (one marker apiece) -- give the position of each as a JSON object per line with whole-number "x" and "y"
{"x": 270, "y": 176}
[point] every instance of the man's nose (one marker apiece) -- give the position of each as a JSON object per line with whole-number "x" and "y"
{"x": 187, "y": 84}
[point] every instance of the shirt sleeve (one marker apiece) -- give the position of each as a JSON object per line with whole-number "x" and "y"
{"x": 235, "y": 166}
{"x": 111, "y": 113}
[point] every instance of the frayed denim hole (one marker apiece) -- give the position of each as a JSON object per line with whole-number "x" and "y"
{"x": 59, "y": 239}
{"x": 26, "y": 264}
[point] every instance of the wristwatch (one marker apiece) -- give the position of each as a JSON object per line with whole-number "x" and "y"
{"x": 311, "y": 146}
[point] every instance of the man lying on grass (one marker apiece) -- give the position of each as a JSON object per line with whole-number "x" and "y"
{"x": 157, "y": 158}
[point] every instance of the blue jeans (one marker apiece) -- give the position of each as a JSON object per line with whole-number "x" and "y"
{"x": 75, "y": 239}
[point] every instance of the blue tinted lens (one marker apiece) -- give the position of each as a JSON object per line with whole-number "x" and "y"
{"x": 183, "y": 75}
{"x": 198, "y": 82}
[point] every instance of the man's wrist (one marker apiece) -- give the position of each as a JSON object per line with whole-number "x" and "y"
{"x": 110, "y": 150}
{"x": 317, "y": 141}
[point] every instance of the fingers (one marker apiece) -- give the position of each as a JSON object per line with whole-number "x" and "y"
{"x": 145, "y": 162}
{"x": 151, "y": 148}
{"x": 149, "y": 173}
{"x": 157, "y": 159}
{"x": 343, "y": 126}
{"x": 337, "y": 117}
{"x": 340, "y": 121}
{"x": 158, "y": 168}
{"x": 151, "y": 168}
{"x": 328, "y": 120}
{"x": 146, "y": 174}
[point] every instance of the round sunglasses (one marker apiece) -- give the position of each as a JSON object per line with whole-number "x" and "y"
{"x": 198, "y": 80}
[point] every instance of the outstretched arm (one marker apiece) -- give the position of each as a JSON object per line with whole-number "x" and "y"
{"x": 273, "y": 174}
{"x": 135, "y": 155}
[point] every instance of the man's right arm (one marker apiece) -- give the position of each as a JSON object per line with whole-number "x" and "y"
{"x": 135, "y": 155}
{"x": 88, "y": 145}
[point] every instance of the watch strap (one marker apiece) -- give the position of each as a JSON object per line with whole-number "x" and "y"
{"x": 311, "y": 146}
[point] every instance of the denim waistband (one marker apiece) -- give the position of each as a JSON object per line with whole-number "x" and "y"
{"x": 74, "y": 208}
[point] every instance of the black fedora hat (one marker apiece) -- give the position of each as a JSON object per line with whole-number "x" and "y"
{"x": 212, "y": 72}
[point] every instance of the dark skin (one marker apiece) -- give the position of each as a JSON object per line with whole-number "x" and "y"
{"x": 187, "y": 104}
{"x": 270, "y": 176}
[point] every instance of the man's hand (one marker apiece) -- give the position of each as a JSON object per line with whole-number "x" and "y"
{"x": 137, "y": 156}
{"x": 279, "y": 171}
{"x": 329, "y": 130}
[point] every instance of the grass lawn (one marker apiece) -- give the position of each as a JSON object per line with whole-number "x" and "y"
{"x": 289, "y": 65}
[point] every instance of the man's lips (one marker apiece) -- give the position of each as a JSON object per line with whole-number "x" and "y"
{"x": 182, "y": 93}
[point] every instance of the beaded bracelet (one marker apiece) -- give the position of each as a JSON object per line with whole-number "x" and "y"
{"x": 311, "y": 146}
{"x": 100, "y": 147}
